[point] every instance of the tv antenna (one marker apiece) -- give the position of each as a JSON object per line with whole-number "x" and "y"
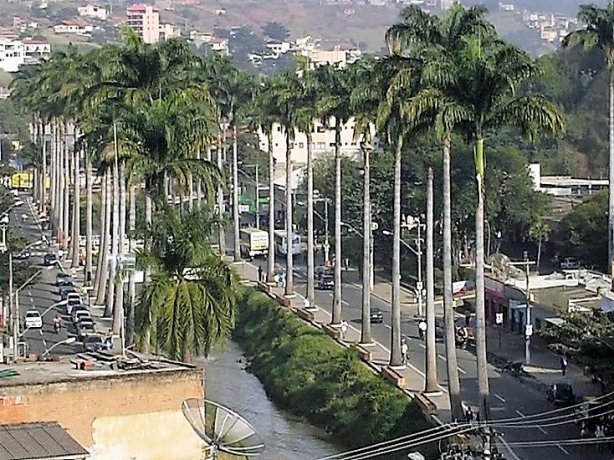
{"x": 222, "y": 429}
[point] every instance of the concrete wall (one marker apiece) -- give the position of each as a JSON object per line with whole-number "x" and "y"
{"x": 116, "y": 417}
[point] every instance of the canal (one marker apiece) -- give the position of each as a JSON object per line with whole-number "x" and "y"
{"x": 285, "y": 436}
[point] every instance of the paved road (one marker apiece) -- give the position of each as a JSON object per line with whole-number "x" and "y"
{"x": 41, "y": 294}
{"x": 510, "y": 398}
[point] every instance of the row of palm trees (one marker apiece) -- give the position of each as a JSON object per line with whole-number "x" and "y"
{"x": 145, "y": 117}
{"x": 453, "y": 75}
{"x": 151, "y": 115}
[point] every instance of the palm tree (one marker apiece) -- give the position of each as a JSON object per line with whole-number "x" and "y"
{"x": 479, "y": 81}
{"x": 431, "y": 39}
{"x": 539, "y": 232}
{"x": 189, "y": 305}
{"x": 431, "y": 385}
{"x": 335, "y": 104}
{"x": 599, "y": 32}
{"x": 285, "y": 92}
{"x": 305, "y": 116}
{"x": 262, "y": 116}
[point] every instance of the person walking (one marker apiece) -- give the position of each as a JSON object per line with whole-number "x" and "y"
{"x": 344, "y": 329}
{"x": 563, "y": 365}
{"x": 421, "y": 329}
{"x": 260, "y": 273}
{"x": 404, "y": 351}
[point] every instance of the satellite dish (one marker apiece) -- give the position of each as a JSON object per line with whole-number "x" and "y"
{"x": 222, "y": 429}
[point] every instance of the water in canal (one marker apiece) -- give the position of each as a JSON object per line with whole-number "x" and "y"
{"x": 285, "y": 436}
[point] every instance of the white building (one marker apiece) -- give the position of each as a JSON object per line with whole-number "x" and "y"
{"x": 12, "y": 54}
{"x": 278, "y": 48}
{"x": 36, "y": 48}
{"x": 73, "y": 26}
{"x": 322, "y": 141}
{"x": 93, "y": 11}
{"x": 169, "y": 31}
{"x": 445, "y": 4}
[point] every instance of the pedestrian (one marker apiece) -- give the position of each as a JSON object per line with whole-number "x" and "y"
{"x": 421, "y": 329}
{"x": 344, "y": 329}
{"x": 404, "y": 351}
{"x": 563, "y": 365}
{"x": 277, "y": 279}
{"x": 260, "y": 273}
{"x": 283, "y": 280}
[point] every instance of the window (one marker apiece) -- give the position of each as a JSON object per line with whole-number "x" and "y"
{"x": 332, "y": 144}
{"x": 279, "y": 129}
{"x": 301, "y": 145}
{"x": 321, "y": 129}
{"x": 321, "y": 145}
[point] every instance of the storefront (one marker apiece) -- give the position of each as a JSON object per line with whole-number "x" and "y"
{"x": 496, "y": 300}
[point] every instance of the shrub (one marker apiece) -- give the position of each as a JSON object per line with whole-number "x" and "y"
{"x": 307, "y": 373}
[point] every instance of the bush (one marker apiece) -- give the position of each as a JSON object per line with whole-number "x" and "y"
{"x": 309, "y": 374}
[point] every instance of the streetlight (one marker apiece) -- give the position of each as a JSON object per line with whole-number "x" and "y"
{"x": 374, "y": 226}
{"x": 69, "y": 340}
{"x": 255, "y": 166}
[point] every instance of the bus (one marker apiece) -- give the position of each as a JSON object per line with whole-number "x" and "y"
{"x": 281, "y": 246}
{"x": 254, "y": 242}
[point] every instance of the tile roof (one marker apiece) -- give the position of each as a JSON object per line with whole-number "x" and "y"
{"x": 42, "y": 440}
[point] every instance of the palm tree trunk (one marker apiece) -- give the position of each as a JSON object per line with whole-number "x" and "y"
{"x": 311, "y": 294}
{"x": 235, "y": 196}
{"x": 61, "y": 184}
{"x": 43, "y": 191}
{"x": 448, "y": 299}
{"x": 539, "y": 253}
{"x": 148, "y": 221}
{"x": 220, "y": 204}
{"x": 114, "y": 253}
{"x": 271, "y": 252}
{"x": 396, "y": 358}
{"x": 66, "y": 207}
{"x": 53, "y": 179}
{"x": 88, "y": 218}
{"x": 76, "y": 215}
{"x": 431, "y": 385}
{"x": 365, "y": 335}
{"x": 118, "y": 308}
{"x": 289, "y": 260}
{"x": 131, "y": 280}
{"x": 336, "y": 316}
{"x": 102, "y": 272}
{"x": 480, "y": 314}
{"x": 611, "y": 178}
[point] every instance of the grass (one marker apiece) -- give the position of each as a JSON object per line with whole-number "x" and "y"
{"x": 5, "y": 78}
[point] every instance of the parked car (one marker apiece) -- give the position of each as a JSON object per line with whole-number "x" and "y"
{"x": 64, "y": 281}
{"x": 74, "y": 303}
{"x": 94, "y": 343}
{"x": 561, "y": 394}
{"x": 49, "y": 259}
{"x": 77, "y": 312}
{"x": 570, "y": 263}
{"x": 60, "y": 277}
{"x": 33, "y": 320}
{"x": 376, "y": 316}
{"x": 85, "y": 327}
{"x": 326, "y": 282}
{"x": 65, "y": 291}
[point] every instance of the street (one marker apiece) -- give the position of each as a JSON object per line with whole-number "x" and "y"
{"x": 510, "y": 398}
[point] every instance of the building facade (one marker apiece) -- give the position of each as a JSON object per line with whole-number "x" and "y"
{"x": 12, "y": 54}
{"x": 145, "y": 20}
{"x": 93, "y": 11}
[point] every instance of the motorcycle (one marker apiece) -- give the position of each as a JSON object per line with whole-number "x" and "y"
{"x": 56, "y": 327}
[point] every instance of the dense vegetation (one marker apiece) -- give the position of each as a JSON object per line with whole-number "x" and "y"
{"x": 307, "y": 373}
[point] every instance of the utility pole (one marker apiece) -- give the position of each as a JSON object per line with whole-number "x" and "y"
{"x": 528, "y": 328}
{"x": 257, "y": 199}
{"x": 419, "y": 285}
{"x": 14, "y": 310}
{"x": 326, "y": 243}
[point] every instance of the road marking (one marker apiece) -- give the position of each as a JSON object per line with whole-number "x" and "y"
{"x": 562, "y": 449}
{"x": 442, "y": 357}
{"x": 422, "y": 345}
{"x": 388, "y": 326}
{"x": 499, "y": 398}
{"x": 538, "y": 427}
{"x": 508, "y": 448}
{"x": 461, "y": 370}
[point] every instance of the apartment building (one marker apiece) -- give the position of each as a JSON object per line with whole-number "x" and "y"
{"x": 322, "y": 141}
{"x": 93, "y": 11}
{"x": 145, "y": 20}
{"x": 12, "y": 54}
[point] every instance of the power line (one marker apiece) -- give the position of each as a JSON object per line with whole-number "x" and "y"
{"x": 444, "y": 431}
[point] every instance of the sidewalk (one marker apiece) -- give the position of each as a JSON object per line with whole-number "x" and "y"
{"x": 409, "y": 378}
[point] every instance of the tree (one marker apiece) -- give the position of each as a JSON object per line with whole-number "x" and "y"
{"x": 539, "y": 233}
{"x": 275, "y": 31}
{"x": 335, "y": 105}
{"x": 599, "y": 32}
{"x": 189, "y": 305}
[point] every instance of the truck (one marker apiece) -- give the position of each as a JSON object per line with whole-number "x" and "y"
{"x": 254, "y": 242}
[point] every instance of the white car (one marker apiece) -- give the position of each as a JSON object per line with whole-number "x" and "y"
{"x": 33, "y": 320}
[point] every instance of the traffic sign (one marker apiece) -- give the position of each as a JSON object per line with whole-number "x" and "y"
{"x": 528, "y": 330}
{"x": 374, "y": 226}
{"x": 499, "y": 318}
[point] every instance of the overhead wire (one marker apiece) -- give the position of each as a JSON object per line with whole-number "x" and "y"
{"x": 447, "y": 430}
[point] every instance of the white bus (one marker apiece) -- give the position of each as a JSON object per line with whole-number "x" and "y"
{"x": 254, "y": 242}
{"x": 281, "y": 247}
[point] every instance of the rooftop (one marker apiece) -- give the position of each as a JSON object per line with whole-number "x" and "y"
{"x": 25, "y": 441}
{"x": 140, "y": 8}
{"x": 101, "y": 366}
{"x": 568, "y": 181}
